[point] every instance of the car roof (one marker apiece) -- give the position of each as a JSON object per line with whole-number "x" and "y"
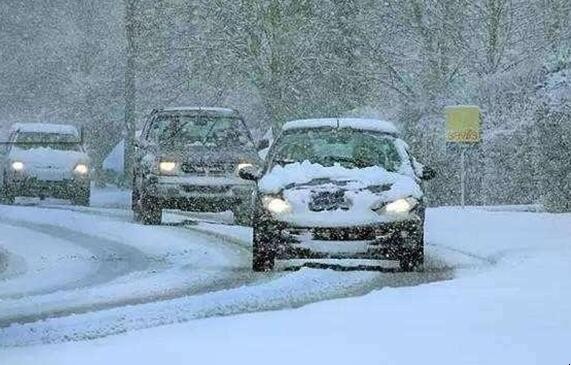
{"x": 45, "y": 128}
{"x": 374, "y": 125}
{"x": 200, "y": 109}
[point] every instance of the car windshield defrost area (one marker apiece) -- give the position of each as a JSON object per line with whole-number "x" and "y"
{"x": 181, "y": 130}
{"x": 347, "y": 147}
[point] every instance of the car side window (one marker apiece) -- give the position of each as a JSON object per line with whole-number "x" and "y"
{"x": 145, "y": 132}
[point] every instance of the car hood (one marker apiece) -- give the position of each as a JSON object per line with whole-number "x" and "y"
{"x": 48, "y": 158}
{"x": 336, "y": 196}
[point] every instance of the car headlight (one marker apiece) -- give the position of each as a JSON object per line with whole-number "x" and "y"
{"x": 17, "y": 166}
{"x": 81, "y": 169}
{"x": 167, "y": 167}
{"x": 276, "y": 205}
{"x": 400, "y": 206}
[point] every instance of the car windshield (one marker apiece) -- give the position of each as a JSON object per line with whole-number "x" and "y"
{"x": 182, "y": 130}
{"x": 346, "y": 147}
{"x": 54, "y": 141}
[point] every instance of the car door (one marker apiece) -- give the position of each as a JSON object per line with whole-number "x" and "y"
{"x": 141, "y": 149}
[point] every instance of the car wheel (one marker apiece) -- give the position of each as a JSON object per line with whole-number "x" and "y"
{"x": 412, "y": 261}
{"x": 8, "y": 196}
{"x": 82, "y": 197}
{"x": 134, "y": 199}
{"x": 149, "y": 211}
{"x": 243, "y": 215}
{"x": 263, "y": 257}
{"x": 8, "y": 199}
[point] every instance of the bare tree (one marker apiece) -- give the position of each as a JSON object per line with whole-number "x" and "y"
{"x": 130, "y": 85}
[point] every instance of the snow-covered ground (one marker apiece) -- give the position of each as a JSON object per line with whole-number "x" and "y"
{"x": 496, "y": 290}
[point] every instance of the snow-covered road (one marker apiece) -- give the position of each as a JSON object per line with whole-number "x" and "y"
{"x": 486, "y": 267}
{"x": 115, "y": 276}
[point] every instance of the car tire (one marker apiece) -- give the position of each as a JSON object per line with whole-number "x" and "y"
{"x": 8, "y": 196}
{"x": 263, "y": 257}
{"x": 149, "y": 211}
{"x": 412, "y": 261}
{"x": 82, "y": 197}
{"x": 135, "y": 200}
{"x": 243, "y": 215}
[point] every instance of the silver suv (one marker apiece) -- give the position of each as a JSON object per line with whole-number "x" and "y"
{"x": 45, "y": 160}
{"x": 187, "y": 158}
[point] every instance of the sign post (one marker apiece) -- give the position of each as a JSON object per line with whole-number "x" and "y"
{"x": 463, "y": 129}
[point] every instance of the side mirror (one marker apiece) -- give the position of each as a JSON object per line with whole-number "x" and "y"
{"x": 263, "y": 144}
{"x": 249, "y": 173}
{"x": 428, "y": 173}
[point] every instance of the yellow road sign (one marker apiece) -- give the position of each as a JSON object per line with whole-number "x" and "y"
{"x": 463, "y": 124}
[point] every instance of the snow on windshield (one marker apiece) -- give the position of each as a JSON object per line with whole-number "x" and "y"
{"x": 62, "y": 129}
{"x": 354, "y": 123}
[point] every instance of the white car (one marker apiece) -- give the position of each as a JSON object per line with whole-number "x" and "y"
{"x": 45, "y": 160}
{"x": 341, "y": 192}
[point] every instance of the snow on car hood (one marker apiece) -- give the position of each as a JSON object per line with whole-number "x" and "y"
{"x": 43, "y": 157}
{"x": 336, "y": 196}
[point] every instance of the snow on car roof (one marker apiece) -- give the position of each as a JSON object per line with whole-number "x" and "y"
{"x": 375, "y": 125}
{"x": 200, "y": 109}
{"x": 45, "y": 128}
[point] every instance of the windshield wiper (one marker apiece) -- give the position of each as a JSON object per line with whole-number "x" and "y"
{"x": 207, "y": 135}
{"x": 284, "y": 161}
{"x": 338, "y": 159}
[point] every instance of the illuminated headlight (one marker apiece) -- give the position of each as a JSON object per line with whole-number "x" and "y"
{"x": 167, "y": 167}
{"x": 400, "y": 206}
{"x": 81, "y": 169}
{"x": 17, "y": 166}
{"x": 276, "y": 205}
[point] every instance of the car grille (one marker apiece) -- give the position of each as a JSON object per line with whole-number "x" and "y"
{"x": 343, "y": 234}
{"x": 210, "y": 170}
{"x": 334, "y": 234}
{"x": 206, "y": 189}
{"x": 326, "y": 201}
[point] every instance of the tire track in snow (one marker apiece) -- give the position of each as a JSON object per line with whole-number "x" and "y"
{"x": 11, "y": 265}
{"x": 113, "y": 259}
{"x": 281, "y": 291}
{"x": 263, "y": 292}
{"x": 291, "y": 290}
{"x": 200, "y": 280}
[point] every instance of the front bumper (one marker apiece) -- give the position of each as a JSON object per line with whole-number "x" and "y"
{"x": 30, "y": 186}
{"x": 381, "y": 241}
{"x": 206, "y": 193}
